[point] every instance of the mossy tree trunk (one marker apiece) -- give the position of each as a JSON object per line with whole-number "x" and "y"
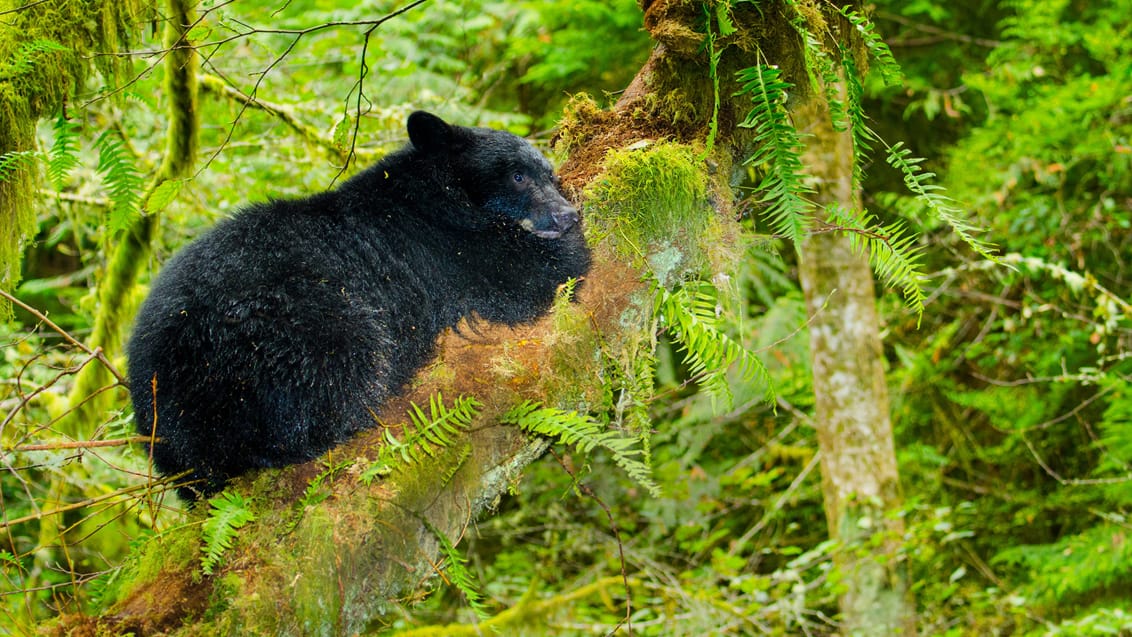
{"x": 47, "y": 50}
{"x": 329, "y": 564}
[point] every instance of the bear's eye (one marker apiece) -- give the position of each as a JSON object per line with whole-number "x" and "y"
{"x": 519, "y": 178}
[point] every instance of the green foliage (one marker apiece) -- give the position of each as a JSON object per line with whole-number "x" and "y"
{"x": 123, "y": 182}
{"x": 228, "y": 513}
{"x": 878, "y": 49}
{"x": 15, "y": 161}
{"x": 1015, "y": 389}
{"x": 893, "y": 252}
{"x": 929, "y": 196}
{"x": 692, "y": 315}
{"x": 63, "y": 156}
{"x": 779, "y": 152}
{"x": 455, "y": 565}
{"x": 1098, "y": 559}
{"x": 720, "y": 18}
{"x": 315, "y": 491}
{"x": 25, "y": 57}
{"x": 163, "y": 195}
{"x": 584, "y": 433}
{"x": 424, "y": 435}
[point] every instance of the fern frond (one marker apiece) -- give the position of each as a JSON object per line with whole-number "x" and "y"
{"x": 584, "y": 434}
{"x": 690, "y": 314}
{"x": 229, "y": 512}
{"x": 456, "y": 565}
{"x": 892, "y": 251}
{"x": 863, "y": 135}
{"x": 64, "y": 153}
{"x": 779, "y": 151}
{"x": 928, "y": 194}
{"x": 23, "y": 61}
{"x": 820, "y": 66}
{"x": 424, "y": 434}
{"x": 314, "y": 493}
{"x": 889, "y": 69}
{"x": 122, "y": 180}
{"x": 14, "y": 161}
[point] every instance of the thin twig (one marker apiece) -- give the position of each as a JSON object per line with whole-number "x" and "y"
{"x": 80, "y": 444}
{"x": 96, "y": 352}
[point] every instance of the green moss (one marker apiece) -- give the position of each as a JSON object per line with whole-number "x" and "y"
{"x": 653, "y": 200}
{"x": 575, "y": 351}
{"x": 164, "y": 552}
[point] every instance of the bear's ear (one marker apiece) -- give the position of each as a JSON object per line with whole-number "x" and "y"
{"x": 429, "y": 133}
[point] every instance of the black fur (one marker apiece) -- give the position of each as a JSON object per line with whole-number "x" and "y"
{"x": 278, "y": 333}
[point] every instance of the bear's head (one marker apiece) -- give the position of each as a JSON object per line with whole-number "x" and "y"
{"x": 504, "y": 177}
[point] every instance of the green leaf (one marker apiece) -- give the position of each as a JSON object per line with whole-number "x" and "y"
{"x": 230, "y": 511}
{"x": 63, "y": 155}
{"x": 424, "y": 435}
{"x": 163, "y": 195}
{"x": 778, "y": 153}
{"x": 584, "y": 434}
{"x": 121, "y": 178}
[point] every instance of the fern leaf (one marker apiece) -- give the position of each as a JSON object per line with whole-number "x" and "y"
{"x": 14, "y": 161}
{"x": 122, "y": 180}
{"x": 863, "y": 135}
{"x": 456, "y": 566}
{"x": 64, "y": 153}
{"x": 928, "y": 195}
{"x": 25, "y": 58}
{"x": 892, "y": 252}
{"x": 584, "y": 434}
{"x": 876, "y": 46}
{"x": 779, "y": 151}
{"x": 424, "y": 434}
{"x": 230, "y": 511}
{"x": 315, "y": 493}
{"x": 691, "y": 315}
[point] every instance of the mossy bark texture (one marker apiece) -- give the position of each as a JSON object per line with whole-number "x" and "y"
{"x": 860, "y": 485}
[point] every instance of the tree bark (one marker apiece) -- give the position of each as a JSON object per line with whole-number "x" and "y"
{"x": 860, "y": 483}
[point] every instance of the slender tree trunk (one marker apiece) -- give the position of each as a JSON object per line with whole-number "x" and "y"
{"x": 860, "y": 484}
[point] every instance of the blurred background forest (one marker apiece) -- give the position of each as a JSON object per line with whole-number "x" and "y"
{"x": 1011, "y": 399}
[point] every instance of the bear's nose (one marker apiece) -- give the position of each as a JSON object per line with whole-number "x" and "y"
{"x": 565, "y": 218}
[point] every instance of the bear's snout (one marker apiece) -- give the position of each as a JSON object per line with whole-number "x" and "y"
{"x": 566, "y": 218}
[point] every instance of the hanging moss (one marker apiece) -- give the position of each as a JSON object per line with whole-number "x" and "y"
{"x": 46, "y": 51}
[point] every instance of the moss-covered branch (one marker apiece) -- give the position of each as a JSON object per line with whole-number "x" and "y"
{"x": 524, "y": 614}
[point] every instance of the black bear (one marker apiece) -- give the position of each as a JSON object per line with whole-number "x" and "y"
{"x": 278, "y": 333}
